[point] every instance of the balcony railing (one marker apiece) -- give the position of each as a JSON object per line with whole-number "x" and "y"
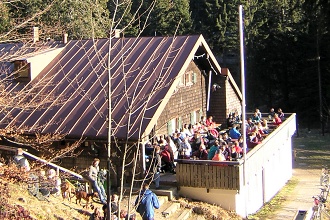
{"x": 208, "y": 174}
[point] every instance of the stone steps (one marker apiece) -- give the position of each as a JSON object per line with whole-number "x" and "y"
{"x": 169, "y": 208}
{"x": 182, "y": 214}
{"x": 196, "y": 217}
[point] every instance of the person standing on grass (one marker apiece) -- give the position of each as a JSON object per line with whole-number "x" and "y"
{"x": 146, "y": 202}
{"x": 101, "y": 177}
{"x": 92, "y": 174}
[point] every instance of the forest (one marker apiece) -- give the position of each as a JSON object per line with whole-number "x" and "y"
{"x": 286, "y": 41}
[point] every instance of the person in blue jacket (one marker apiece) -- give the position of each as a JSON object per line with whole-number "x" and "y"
{"x": 146, "y": 202}
{"x": 234, "y": 133}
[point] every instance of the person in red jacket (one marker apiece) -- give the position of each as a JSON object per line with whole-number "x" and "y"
{"x": 211, "y": 127}
{"x": 238, "y": 149}
{"x": 277, "y": 120}
{"x": 167, "y": 159}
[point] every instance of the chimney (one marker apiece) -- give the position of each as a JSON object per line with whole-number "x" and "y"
{"x": 35, "y": 34}
{"x": 65, "y": 38}
{"x": 117, "y": 33}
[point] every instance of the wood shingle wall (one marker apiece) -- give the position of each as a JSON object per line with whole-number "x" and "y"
{"x": 184, "y": 101}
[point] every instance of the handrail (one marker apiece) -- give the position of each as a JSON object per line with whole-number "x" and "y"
{"x": 14, "y": 149}
{"x": 272, "y": 134}
{"x": 208, "y": 162}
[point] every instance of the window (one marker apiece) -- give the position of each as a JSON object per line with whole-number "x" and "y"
{"x": 187, "y": 79}
{"x": 22, "y": 70}
{"x": 182, "y": 81}
{"x": 199, "y": 114}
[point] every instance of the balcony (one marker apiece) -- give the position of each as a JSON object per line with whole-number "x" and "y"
{"x": 245, "y": 185}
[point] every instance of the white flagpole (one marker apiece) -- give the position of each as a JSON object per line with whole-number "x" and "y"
{"x": 241, "y": 34}
{"x": 242, "y": 79}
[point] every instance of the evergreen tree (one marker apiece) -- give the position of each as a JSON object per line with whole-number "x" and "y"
{"x": 272, "y": 64}
{"x": 4, "y": 19}
{"x": 180, "y": 12}
{"x": 315, "y": 63}
{"x": 167, "y": 17}
{"x": 218, "y": 21}
{"x": 80, "y": 19}
{"x": 124, "y": 17}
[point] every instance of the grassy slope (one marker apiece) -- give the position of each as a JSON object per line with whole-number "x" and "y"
{"x": 55, "y": 208}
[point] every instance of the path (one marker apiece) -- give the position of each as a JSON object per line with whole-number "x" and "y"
{"x": 307, "y": 170}
{"x": 301, "y": 197}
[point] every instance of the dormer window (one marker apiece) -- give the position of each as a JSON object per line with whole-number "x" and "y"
{"x": 22, "y": 70}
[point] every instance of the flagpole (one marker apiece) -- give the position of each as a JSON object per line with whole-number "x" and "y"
{"x": 242, "y": 80}
{"x": 241, "y": 37}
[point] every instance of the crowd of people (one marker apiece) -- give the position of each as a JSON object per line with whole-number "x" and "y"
{"x": 207, "y": 140}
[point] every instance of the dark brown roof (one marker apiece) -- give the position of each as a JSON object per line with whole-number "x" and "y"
{"x": 142, "y": 73}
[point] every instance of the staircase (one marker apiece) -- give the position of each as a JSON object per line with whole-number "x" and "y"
{"x": 170, "y": 209}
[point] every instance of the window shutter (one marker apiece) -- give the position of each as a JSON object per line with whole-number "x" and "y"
{"x": 194, "y": 77}
{"x": 200, "y": 114}
{"x": 192, "y": 117}
{"x": 180, "y": 122}
{"x": 169, "y": 127}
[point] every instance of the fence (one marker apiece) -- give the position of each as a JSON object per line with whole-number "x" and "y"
{"x": 210, "y": 175}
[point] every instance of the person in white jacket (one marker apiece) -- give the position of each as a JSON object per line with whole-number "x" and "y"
{"x": 93, "y": 172}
